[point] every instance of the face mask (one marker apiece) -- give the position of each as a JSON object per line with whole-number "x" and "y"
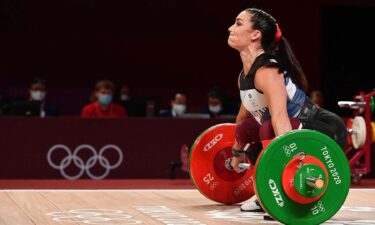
{"x": 125, "y": 97}
{"x": 215, "y": 108}
{"x": 179, "y": 108}
{"x": 105, "y": 99}
{"x": 37, "y": 95}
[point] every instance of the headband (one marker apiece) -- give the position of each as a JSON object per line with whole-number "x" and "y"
{"x": 278, "y": 33}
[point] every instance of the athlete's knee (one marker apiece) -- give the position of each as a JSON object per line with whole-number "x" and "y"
{"x": 338, "y": 128}
{"x": 340, "y": 132}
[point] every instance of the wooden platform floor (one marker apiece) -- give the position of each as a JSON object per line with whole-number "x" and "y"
{"x": 117, "y": 184}
{"x": 18, "y": 207}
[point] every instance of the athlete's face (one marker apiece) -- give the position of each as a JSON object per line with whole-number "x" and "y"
{"x": 241, "y": 33}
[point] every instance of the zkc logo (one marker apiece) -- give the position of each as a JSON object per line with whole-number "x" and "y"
{"x": 213, "y": 142}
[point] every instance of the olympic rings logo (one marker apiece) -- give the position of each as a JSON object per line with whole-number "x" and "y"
{"x": 73, "y": 157}
{"x": 93, "y": 216}
{"x": 318, "y": 208}
{"x": 287, "y": 151}
{"x": 321, "y": 206}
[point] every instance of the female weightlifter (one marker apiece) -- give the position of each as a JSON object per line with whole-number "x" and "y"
{"x": 272, "y": 87}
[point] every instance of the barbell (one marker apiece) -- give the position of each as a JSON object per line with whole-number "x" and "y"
{"x": 301, "y": 177}
{"x": 358, "y": 104}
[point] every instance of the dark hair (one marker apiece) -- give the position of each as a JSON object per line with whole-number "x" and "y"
{"x": 316, "y": 93}
{"x": 176, "y": 92}
{"x": 267, "y": 25}
{"x": 107, "y": 84}
{"x": 216, "y": 92}
{"x": 38, "y": 80}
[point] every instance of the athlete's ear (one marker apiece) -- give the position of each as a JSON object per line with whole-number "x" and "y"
{"x": 256, "y": 34}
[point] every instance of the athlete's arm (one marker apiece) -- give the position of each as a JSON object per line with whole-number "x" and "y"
{"x": 271, "y": 83}
{"x": 242, "y": 115}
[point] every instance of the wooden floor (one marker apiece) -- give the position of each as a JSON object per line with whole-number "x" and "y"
{"x": 100, "y": 184}
{"x": 18, "y": 207}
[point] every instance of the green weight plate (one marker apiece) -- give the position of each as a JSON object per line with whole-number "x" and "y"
{"x": 309, "y": 170}
{"x": 372, "y": 105}
{"x": 271, "y": 163}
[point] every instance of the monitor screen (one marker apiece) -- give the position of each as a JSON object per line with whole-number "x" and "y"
{"x": 24, "y": 108}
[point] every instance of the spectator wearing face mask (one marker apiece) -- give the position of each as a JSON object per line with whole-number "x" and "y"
{"x": 178, "y": 106}
{"x": 102, "y": 106}
{"x": 38, "y": 92}
{"x": 216, "y": 107}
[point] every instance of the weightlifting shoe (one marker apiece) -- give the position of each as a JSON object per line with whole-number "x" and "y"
{"x": 251, "y": 206}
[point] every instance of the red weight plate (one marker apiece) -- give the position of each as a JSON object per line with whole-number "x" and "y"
{"x": 265, "y": 143}
{"x": 288, "y": 179}
{"x": 208, "y": 171}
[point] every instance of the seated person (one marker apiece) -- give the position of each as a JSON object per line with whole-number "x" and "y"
{"x": 102, "y": 106}
{"x": 178, "y": 105}
{"x": 216, "y": 104}
{"x": 38, "y": 92}
{"x": 317, "y": 97}
{"x": 134, "y": 106}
